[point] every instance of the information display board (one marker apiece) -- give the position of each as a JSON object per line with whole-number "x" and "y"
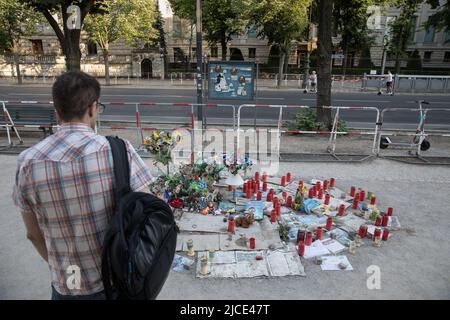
{"x": 231, "y": 80}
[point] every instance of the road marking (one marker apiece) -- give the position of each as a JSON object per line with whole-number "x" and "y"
{"x": 350, "y": 100}
{"x": 270, "y": 98}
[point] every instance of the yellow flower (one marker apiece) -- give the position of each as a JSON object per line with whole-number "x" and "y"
{"x": 155, "y": 135}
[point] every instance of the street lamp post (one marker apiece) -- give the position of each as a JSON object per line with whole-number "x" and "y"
{"x": 306, "y": 71}
{"x": 199, "y": 61}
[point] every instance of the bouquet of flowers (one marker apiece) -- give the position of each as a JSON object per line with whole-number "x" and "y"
{"x": 161, "y": 145}
{"x": 235, "y": 164}
{"x": 191, "y": 186}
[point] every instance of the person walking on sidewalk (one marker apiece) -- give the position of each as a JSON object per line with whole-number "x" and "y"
{"x": 312, "y": 83}
{"x": 64, "y": 189}
{"x": 389, "y": 81}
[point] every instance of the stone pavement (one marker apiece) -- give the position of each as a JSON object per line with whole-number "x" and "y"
{"x": 414, "y": 263}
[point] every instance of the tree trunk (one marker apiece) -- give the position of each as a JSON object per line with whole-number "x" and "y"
{"x": 223, "y": 44}
{"x": 399, "y": 48}
{"x": 286, "y": 62}
{"x": 281, "y": 68}
{"x": 106, "y": 62}
{"x": 71, "y": 44}
{"x": 324, "y": 48}
{"x": 17, "y": 64}
{"x": 188, "y": 63}
{"x": 345, "y": 60}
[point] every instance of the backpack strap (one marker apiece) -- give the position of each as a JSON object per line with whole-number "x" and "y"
{"x": 121, "y": 166}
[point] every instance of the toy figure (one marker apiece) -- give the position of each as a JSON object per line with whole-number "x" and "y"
{"x": 298, "y": 200}
{"x": 245, "y": 221}
{"x": 209, "y": 209}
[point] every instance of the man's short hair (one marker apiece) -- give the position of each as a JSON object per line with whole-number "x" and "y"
{"x": 73, "y": 92}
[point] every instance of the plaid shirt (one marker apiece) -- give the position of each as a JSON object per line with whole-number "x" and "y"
{"x": 67, "y": 181}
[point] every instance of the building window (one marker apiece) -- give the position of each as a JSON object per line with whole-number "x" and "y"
{"x": 214, "y": 52}
{"x": 37, "y": 46}
{"x": 447, "y": 56}
{"x": 429, "y": 35}
{"x": 178, "y": 55}
{"x": 447, "y": 36}
{"x": 427, "y": 56}
{"x": 92, "y": 48}
{"x": 252, "y": 53}
{"x": 251, "y": 31}
{"x": 176, "y": 27}
{"x": 412, "y": 30}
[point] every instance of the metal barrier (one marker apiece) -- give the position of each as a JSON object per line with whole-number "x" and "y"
{"x": 9, "y": 123}
{"x": 334, "y": 131}
{"x": 374, "y": 81}
{"x": 193, "y": 129}
{"x": 331, "y": 148}
{"x": 422, "y": 82}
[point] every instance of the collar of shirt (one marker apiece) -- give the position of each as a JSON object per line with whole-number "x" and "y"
{"x": 75, "y": 126}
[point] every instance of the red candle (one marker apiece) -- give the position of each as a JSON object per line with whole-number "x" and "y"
{"x": 300, "y": 184}
{"x": 272, "y": 191}
{"x": 275, "y": 202}
{"x": 252, "y": 243}
{"x": 385, "y": 220}
{"x": 249, "y": 193}
{"x": 301, "y": 248}
{"x": 273, "y": 216}
{"x": 301, "y": 235}
{"x": 264, "y": 186}
{"x": 355, "y": 203}
{"x": 341, "y": 211}
{"x": 244, "y": 188}
{"x": 257, "y": 186}
{"x": 310, "y": 193}
{"x": 257, "y": 176}
{"x": 389, "y": 212}
{"x": 269, "y": 196}
{"x": 318, "y": 185}
{"x": 378, "y": 221}
{"x": 385, "y": 235}
{"x": 259, "y": 196}
{"x": 230, "y": 188}
{"x": 327, "y": 199}
{"x": 320, "y": 194}
{"x": 288, "y": 177}
{"x": 373, "y": 200}
{"x": 283, "y": 181}
{"x": 352, "y": 191}
{"x": 289, "y": 201}
{"x": 362, "y": 231}
{"x": 308, "y": 240}
{"x": 377, "y": 233}
{"x": 329, "y": 224}
{"x": 284, "y": 194}
{"x": 331, "y": 182}
{"x": 254, "y": 186}
{"x": 325, "y": 185}
{"x": 264, "y": 177}
{"x": 319, "y": 233}
{"x": 231, "y": 225}
{"x": 362, "y": 196}
{"x": 278, "y": 209}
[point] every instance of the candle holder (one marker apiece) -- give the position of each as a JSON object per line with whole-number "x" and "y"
{"x": 234, "y": 180}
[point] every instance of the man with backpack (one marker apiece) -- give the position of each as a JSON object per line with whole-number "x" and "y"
{"x": 65, "y": 189}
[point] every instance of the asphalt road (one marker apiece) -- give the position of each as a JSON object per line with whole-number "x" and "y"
{"x": 176, "y": 114}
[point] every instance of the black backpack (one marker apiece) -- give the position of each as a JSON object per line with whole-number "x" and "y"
{"x": 139, "y": 246}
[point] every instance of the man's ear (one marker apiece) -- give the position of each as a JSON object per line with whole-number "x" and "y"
{"x": 91, "y": 110}
{"x": 58, "y": 117}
